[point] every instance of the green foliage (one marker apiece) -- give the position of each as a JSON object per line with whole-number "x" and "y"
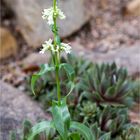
{"x": 26, "y": 129}
{"x": 46, "y": 85}
{"x": 83, "y": 130}
{"x": 43, "y": 69}
{"x": 131, "y": 132}
{"x": 44, "y": 126}
{"x": 45, "y": 130}
{"x": 12, "y": 136}
{"x": 61, "y": 118}
{"x": 107, "y": 122}
{"x": 101, "y": 95}
{"x": 106, "y": 84}
{"x": 136, "y": 91}
{"x": 61, "y": 124}
{"x": 103, "y": 84}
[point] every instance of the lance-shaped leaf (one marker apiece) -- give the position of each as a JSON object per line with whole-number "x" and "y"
{"x": 61, "y": 118}
{"x": 83, "y": 130}
{"x": 44, "y": 68}
{"x": 44, "y": 126}
{"x": 69, "y": 70}
{"x": 70, "y": 73}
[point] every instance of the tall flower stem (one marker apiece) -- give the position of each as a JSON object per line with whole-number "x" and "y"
{"x": 57, "y": 57}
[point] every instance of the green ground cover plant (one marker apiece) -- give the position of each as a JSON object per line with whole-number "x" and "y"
{"x": 101, "y": 98}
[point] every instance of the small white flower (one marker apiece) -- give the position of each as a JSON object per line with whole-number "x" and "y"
{"x": 66, "y": 47}
{"x": 61, "y": 14}
{"x": 48, "y": 14}
{"x": 47, "y": 46}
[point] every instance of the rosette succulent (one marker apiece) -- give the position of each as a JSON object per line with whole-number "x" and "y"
{"x": 106, "y": 84}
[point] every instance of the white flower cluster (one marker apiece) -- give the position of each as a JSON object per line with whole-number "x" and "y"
{"x": 66, "y": 47}
{"x": 48, "y": 14}
{"x": 48, "y": 45}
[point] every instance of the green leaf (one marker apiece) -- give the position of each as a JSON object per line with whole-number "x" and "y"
{"x": 75, "y": 136}
{"x": 61, "y": 118}
{"x": 84, "y": 66}
{"x": 111, "y": 125}
{"x": 96, "y": 130}
{"x": 12, "y": 135}
{"x": 26, "y": 129}
{"x": 70, "y": 73}
{"x": 83, "y": 130}
{"x": 69, "y": 70}
{"x": 44, "y": 126}
{"x": 44, "y": 68}
{"x": 110, "y": 92}
{"x": 97, "y": 96}
{"x": 72, "y": 86}
{"x": 58, "y": 40}
{"x": 106, "y": 136}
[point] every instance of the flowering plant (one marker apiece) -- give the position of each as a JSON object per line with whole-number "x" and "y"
{"x": 61, "y": 123}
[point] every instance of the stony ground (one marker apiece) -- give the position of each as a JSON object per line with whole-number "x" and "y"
{"x": 108, "y": 36}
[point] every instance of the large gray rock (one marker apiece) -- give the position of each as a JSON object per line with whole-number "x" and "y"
{"x": 127, "y": 57}
{"x": 15, "y": 107}
{"x": 35, "y": 30}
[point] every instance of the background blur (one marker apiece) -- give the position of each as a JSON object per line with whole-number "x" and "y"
{"x": 98, "y": 30}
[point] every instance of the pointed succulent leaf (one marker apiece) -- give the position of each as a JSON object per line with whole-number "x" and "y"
{"x": 113, "y": 66}
{"x": 106, "y": 136}
{"x": 97, "y": 96}
{"x": 110, "y": 92}
{"x": 84, "y": 66}
{"x": 120, "y": 120}
{"x": 96, "y": 130}
{"x": 112, "y": 125}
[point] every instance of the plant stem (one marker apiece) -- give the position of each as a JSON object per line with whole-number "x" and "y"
{"x": 57, "y": 62}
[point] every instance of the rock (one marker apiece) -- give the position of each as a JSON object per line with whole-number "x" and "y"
{"x": 8, "y": 45}
{"x": 132, "y": 8}
{"x": 127, "y": 57}
{"x": 131, "y": 29}
{"x": 15, "y": 107}
{"x": 104, "y": 4}
{"x": 35, "y": 59}
{"x": 35, "y": 30}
